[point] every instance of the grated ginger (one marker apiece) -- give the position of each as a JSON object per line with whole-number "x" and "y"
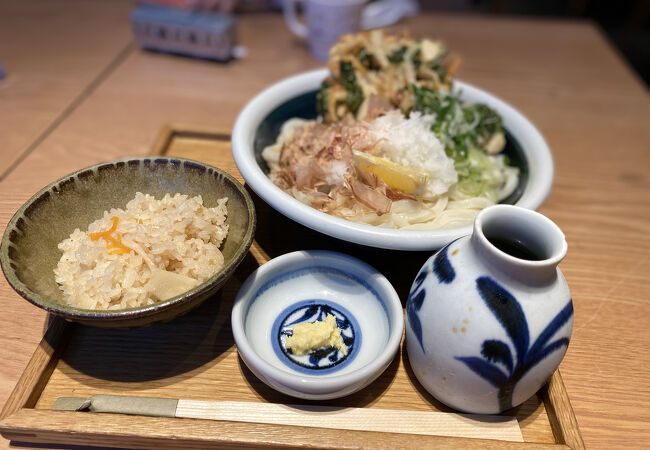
{"x": 308, "y": 337}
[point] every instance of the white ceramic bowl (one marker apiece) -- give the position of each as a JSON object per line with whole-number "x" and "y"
{"x": 302, "y": 287}
{"x": 258, "y": 125}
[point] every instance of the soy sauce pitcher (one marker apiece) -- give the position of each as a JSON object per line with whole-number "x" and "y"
{"x": 489, "y": 316}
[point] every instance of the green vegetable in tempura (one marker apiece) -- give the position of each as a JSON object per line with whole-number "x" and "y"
{"x": 355, "y": 95}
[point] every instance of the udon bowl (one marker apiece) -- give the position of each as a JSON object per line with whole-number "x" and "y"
{"x": 29, "y": 252}
{"x": 259, "y": 123}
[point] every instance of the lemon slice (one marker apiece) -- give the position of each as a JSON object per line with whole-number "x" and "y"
{"x": 397, "y": 177}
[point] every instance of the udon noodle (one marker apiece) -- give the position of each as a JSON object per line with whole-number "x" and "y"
{"x": 392, "y": 147}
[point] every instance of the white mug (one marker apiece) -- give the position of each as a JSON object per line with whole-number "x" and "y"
{"x": 326, "y": 21}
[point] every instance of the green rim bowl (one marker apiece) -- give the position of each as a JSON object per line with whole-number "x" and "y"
{"x": 29, "y": 250}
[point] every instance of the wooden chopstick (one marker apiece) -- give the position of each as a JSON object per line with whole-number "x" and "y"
{"x": 483, "y": 426}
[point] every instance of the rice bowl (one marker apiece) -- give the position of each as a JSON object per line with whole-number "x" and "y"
{"x": 29, "y": 251}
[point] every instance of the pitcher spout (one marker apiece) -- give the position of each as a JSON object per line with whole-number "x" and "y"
{"x": 519, "y": 242}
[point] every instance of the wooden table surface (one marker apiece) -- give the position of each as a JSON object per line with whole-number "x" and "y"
{"x": 78, "y": 92}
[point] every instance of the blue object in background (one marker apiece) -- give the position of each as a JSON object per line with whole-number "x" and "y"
{"x": 2, "y": 71}
{"x": 198, "y": 34}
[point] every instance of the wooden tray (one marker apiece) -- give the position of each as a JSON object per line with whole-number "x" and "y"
{"x": 194, "y": 357}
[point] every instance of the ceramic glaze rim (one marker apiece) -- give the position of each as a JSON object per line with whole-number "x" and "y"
{"x": 541, "y": 230}
{"x": 534, "y": 147}
{"x": 317, "y": 386}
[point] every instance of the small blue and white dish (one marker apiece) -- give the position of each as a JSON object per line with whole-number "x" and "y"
{"x": 304, "y": 287}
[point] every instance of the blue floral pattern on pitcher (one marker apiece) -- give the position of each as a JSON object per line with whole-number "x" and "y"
{"x": 444, "y": 272}
{"x": 495, "y": 355}
{"x": 510, "y": 315}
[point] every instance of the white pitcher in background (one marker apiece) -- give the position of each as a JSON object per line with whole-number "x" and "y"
{"x": 327, "y": 20}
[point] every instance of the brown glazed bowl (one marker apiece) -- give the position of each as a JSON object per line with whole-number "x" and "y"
{"x": 29, "y": 251}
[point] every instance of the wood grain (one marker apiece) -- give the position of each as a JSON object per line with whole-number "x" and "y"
{"x": 361, "y": 419}
{"x": 201, "y": 434}
{"x": 195, "y": 356}
{"x": 479, "y": 426}
{"x": 563, "y": 75}
{"x": 561, "y": 415}
{"x": 37, "y": 373}
{"x": 156, "y": 361}
{"x": 52, "y": 61}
